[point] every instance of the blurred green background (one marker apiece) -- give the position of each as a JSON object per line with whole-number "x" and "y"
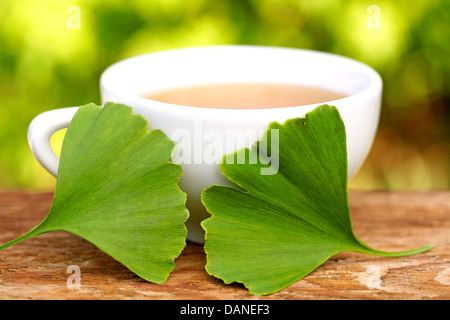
{"x": 51, "y": 56}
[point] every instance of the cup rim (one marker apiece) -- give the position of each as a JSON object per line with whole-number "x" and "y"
{"x": 125, "y": 97}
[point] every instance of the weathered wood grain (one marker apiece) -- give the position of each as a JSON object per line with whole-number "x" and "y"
{"x": 37, "y": 268}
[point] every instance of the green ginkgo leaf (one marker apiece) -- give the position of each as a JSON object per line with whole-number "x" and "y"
{"x": 277, "y": 228}
{"x": 117, "y": 188}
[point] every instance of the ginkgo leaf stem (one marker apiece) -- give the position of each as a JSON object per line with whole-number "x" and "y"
{"x": 368, "y": 250}
{"x": 32, "y": 233}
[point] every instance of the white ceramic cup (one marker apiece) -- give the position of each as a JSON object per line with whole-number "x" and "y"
{"x": 126, "y": 81}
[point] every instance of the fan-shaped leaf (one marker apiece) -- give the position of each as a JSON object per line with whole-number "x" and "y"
{"x": 281, "y": 227}
{"x": 117, "y": 189}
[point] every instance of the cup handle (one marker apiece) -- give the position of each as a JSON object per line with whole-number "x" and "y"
{"x": 41, "y": 130}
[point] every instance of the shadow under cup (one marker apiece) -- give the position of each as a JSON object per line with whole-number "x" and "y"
{"x": 129, "y": 80}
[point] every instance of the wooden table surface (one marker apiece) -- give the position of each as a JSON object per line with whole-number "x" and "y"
{"x": 37, "y": 268}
